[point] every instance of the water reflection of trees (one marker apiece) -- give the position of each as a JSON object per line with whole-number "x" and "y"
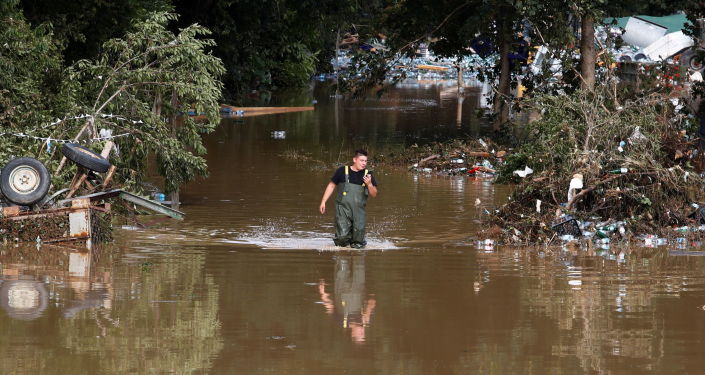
{"x": 607, "y": 306}
{"x": 108, "y": 316}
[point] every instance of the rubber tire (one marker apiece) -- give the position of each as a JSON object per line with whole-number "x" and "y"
{"x": 85, "y": 157}
{"x": 690, "y": 60}
{"x": 27, "y": 198}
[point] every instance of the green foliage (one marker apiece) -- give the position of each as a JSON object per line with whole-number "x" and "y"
{"x": 152, "y": 76}
{"x": 267, "y": 43}
{"x": 31, "y": 85}
{"x": 81, "y": 27}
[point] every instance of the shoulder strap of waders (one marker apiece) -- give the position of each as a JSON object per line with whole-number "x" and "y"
{"x": 347, "y": 175}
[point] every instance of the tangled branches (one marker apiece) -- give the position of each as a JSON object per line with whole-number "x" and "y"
{"x": 635, "y": 159}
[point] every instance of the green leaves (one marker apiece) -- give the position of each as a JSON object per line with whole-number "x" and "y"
{"x": 156, "y": 76}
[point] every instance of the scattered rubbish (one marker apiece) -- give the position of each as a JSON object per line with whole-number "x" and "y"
{"x": 457, "y": 161}
{"x": 637, "y": 136}
{"x": 487, "y": 244}
{"x": 523, "y": 173}
{"x": 566, "y": 224}
{"x": 473, "y": 170}
{"x": 621, "y": 146}
{"x": 538, "y": 206}
{"x": 619, "y": 171}
{"x": 161, "y": 197}
{"x": 576, "y": 183}
{"x": 681, "y": 242}
{"x": 279, "y": 134}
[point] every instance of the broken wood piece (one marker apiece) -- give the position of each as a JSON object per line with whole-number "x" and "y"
{"x": 481, "y": 154}
{"x": 10, "y": 211}
{"x": 109, "y": 177}
{"x": 436, "y": 156}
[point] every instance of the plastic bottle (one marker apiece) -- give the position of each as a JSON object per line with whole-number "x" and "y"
{"x": 619, "y": 171}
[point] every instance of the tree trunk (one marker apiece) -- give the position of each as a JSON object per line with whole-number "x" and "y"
{"x": 587, "y": 52}
{"x": 157, "y": 106}
{"x": 501, "y": 104}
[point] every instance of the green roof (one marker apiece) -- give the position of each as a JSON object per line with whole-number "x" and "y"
{"x": 674, "y": 22}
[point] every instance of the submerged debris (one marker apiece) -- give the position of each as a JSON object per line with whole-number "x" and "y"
{"x": 475, "y": 157}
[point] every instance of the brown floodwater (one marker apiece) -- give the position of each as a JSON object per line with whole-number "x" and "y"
{"x": 250, "y": 283}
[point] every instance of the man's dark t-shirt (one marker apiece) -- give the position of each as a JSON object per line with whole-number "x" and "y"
{"x": 354, "y": 177}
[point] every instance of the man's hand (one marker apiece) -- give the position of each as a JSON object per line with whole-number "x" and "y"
{"x": 322, "y": 208}
{"x": 367, "y": 180}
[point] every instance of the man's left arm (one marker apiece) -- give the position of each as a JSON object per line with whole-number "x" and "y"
{"x": 370, "y": 186}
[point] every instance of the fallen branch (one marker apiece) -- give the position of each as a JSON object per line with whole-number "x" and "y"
{"x": 436, "y": 156}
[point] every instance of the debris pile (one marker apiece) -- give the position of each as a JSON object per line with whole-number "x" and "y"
{"x": 604, "y": 171}
{"x": 475, "y": 157}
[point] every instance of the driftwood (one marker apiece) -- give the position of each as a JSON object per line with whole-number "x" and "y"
{"x": 436, "y": 156}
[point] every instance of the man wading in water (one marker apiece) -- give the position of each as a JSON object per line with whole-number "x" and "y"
{"x": 355, "y": 184}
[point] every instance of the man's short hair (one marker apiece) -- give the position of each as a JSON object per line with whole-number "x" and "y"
{"x": 360, "y": 152}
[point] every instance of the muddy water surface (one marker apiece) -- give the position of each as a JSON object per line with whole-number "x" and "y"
{"x": 250, "y": 283}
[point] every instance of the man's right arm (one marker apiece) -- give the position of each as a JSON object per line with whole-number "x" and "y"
{"x": 326, "y": 194}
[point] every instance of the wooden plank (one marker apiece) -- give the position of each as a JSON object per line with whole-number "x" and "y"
{"x": 259, "y": 111}
{"x": 432, "y": 67}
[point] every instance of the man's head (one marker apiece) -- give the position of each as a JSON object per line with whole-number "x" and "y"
{"x": 360, "y": 159}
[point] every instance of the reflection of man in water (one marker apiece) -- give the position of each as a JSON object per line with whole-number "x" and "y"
{"x": 354, "y": 183}
{"x": 349, "y": 291}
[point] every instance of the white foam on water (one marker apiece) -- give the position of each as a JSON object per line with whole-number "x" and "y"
{"x": 303, "y": 240}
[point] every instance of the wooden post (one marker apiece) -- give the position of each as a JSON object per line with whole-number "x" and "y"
{"x": 461, "y": 82}
{"x": 335, "y": 67}
{"x": 175, "y": 200}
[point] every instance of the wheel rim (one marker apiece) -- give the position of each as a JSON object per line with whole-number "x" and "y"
{"x": 695, "y": 63}
{"x": 24, "y": 180}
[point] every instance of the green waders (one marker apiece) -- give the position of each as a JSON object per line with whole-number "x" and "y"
{"x": 350, "y": 215}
